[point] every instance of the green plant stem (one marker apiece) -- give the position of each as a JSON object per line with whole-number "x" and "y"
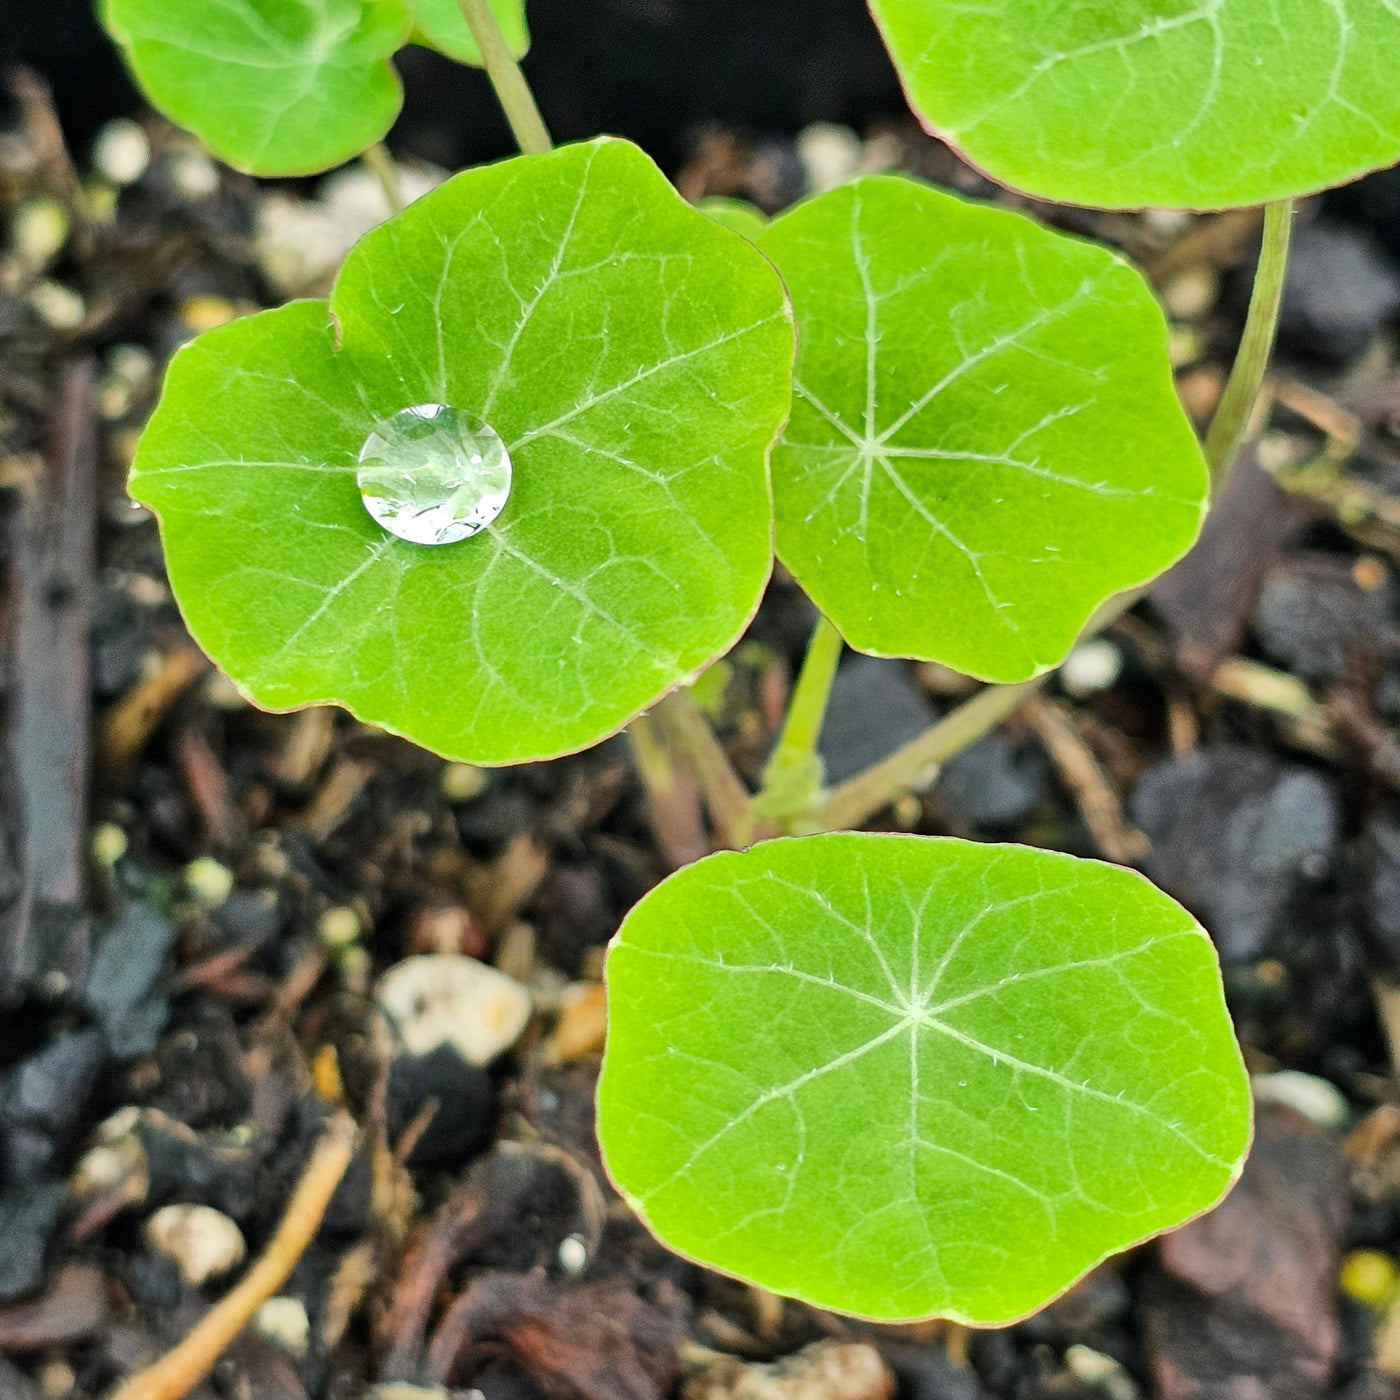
{"x": 380, "y": 164}
{"x": 512, "y": 91}
{"x": 807, "y": 707}
{"x": 724, "y": 792}
{"x": 1229, "y": 428}
{"x": 858, "y": 800}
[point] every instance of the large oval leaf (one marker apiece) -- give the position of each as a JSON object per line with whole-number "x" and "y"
{"x": 440, "y": 25}
{"x": 284, "y": 89}
{"x": 985, "y": 441}
{"x": 1191, "y": 104}
{"x": 636, "y": 360}
{"x": 902, "y": 1077}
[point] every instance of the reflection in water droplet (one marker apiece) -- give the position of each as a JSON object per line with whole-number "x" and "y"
{"x": 431, "y": 474}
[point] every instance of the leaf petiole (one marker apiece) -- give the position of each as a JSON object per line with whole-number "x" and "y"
{"x": 792, "y": 779}
{"x": 1230, "y": 426}
{"x": 512, "y": 91}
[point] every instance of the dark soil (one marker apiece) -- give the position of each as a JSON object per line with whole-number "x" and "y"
{"x": 197, "y": 899}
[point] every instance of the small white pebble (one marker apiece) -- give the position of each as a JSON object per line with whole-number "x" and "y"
{"x": 193, "y": 174}
{"x": 122, "y": 151}
{"x": 208, "y": 881}
{"x": 284, "y": 1323}
{"x": 1100, "y": 1371}
{"x": 38, "y": 230}
{"x": 573, "y": 1255}
{"x": 222, "y": 694}
{"x": 830, "y": 154}
{"x": 122, "y": 1122}
{"x": 59, "y": 307}
{"x": 1167, "y": 223}
{"x": 203, "y": 1242}
{"x": 435, "y": 999}
{"x": 1091, "y": 667}
{"x": 108, "y": 1165}
{"x": 1189, "y": 295}
{"x": 56, "y": 1379}
{"x": 1317, "y": 1100}
{"x": 460, "y": 782}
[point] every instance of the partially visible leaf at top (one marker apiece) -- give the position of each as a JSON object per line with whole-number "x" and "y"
{"x": 1196, "y": 104}
{"x": 636, "y": 361}
{"x": 737, "y": 215}
{"x": 440, "y": 25}
{"x": 985, "y": 441}
{"x": 286, "y": 88}
{"x": 902, "y": 1077}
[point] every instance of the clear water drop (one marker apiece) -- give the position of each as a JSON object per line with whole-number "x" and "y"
{"x": 432, "y": 474}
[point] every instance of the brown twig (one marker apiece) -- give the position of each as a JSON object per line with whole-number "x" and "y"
{"x": 672, "y": 795}
{"x": 1093, "y": 794}
{"x": 724, "y": 792}
{"x": 180, "y": 1370}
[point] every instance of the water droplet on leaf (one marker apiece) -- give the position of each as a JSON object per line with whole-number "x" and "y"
{"x": 432, "y": 474}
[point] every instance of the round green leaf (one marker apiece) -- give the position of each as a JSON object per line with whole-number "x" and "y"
{"x": 1197, "y": 104}
{"x": 281, "y": 89}
{"x": 634, "y": 357}
{"x": 985, "y": 440}
{"x": 904, "y": 1077}
{"x": 440, "y": 26}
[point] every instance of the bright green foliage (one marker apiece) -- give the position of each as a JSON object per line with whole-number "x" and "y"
{"x": 737, "y": 215}
{"x": 282, "y": 88}
{"x": 985, "y": 439}
{"x": 440, "y": 25}
{"x": 900, "y": 1076}
{"x": 1184, "y": 103}
{"x": 636, "y": 360}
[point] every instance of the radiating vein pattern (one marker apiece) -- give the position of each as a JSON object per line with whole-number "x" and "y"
{"x": 901, "y": 1077}
{"x": 985, "y": 441}
{"x": 636, "y": 361}
{"x": 1195, "y": 103}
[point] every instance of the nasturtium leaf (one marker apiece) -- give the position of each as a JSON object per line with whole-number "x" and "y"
{"x": 1197, "y": 104}
{"x": 737, "y": 215}
{"x": 906, "y": 1077}
{"x": 276, "y": 89}
{"x": 635, "y": 359}
{"x": 440, "y": 26}
{"x": 985, "y": 440}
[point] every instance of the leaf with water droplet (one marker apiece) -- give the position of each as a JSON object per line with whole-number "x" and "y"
{"x": 1196, "y": 104}
{"x": 902, "y": 1077}
{"x": 633, "y": 361}
{"x": 283, "y": 89}
{"x": 430, "y": 474}
{"x": 440, "y": 26}
{"x": 985, "y": 440}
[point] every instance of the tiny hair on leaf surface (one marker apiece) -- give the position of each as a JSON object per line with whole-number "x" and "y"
{"x": 904, "y": 1077}
{"x": 284, "y": 89}
{"x": 1199, "y": 104}
{"x": 635, "y": 360}
{"x": 985, "y": 442}
{"x": 439, "y": 25}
